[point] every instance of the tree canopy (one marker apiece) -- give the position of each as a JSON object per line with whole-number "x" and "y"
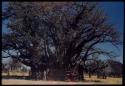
{"x": 44, "y": 33}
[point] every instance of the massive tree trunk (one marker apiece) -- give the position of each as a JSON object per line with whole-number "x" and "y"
{"x": 78, "y": 71}
{"x": 89, "y": 75}
{"x": 56, "y": 72}
{"x": 81, "y": 73}
{"x": 36, "y": 74}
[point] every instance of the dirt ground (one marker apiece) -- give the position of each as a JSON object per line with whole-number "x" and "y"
{"x": 92, "y": 80}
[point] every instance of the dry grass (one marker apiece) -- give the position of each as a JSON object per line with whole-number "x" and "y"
{"x": 92, "y": 80}
{"x": 16, "y": 73}
{"x": 108, "y": 80}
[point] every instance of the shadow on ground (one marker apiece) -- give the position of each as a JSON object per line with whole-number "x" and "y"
{"x": 93, "y": 81}
{"x": 15, "y": 77}
{"x": 28, "y": 78}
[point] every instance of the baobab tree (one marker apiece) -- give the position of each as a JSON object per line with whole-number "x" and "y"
{"x": 49, "y": 33}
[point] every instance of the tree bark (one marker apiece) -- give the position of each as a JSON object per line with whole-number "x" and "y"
{"x": 36, "y": 73}
{"x": 89, "y": 75}
{"x": 57, "y": 74}
{"x": 81, "y": 73}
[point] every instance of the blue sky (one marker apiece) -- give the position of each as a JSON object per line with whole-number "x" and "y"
{"x": 115, "y": 12}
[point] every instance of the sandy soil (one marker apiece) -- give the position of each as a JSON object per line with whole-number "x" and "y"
{"x": 92, "y": 80}
{"x": 42, "y": 82}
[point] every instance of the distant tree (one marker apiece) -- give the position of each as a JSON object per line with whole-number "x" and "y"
{"x": 95, "y": 66}
{"x": 55, "y": 33}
